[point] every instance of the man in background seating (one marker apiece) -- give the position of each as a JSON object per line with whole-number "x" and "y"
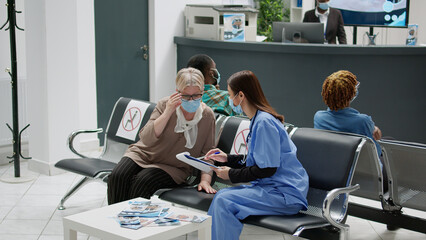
{"x": 213, "y": 97}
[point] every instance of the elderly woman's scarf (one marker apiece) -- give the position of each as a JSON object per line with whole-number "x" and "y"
{"x": 189, "y": 128}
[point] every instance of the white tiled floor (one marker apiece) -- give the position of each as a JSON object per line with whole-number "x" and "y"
{"x": 28, "y": 211}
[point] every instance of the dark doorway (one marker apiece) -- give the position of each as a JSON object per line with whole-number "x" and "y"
{"x": 121, "y": 32}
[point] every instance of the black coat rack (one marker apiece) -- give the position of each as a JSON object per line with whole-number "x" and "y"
{"x": 13, "y": 72}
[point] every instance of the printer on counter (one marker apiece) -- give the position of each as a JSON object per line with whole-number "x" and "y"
{"x": 207, "y": 21}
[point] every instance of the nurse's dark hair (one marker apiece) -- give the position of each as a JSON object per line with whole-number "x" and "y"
{"x": 246, "y": 82}
{"x": 201, "y": 62}
{"x": 339, "y": 89}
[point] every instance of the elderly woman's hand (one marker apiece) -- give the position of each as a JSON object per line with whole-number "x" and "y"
{"x": 204, "y": 185}
{"x": 173, "y": 103}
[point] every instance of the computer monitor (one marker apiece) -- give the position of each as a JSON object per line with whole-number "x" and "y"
{"x": 296, "y": 32}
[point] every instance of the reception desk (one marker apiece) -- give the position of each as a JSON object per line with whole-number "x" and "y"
{"x": 393, "y": 78}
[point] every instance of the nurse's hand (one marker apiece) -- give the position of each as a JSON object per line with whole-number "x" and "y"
{"x": 204, "y": 185}
{"x": 222, "y": 172}
{"x": 217, "y": 155}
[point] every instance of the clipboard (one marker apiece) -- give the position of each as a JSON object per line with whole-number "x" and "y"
{"x": 197, "y": 163}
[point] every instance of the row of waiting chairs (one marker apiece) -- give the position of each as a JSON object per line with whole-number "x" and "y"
{"x": 99, "y": 168}
{"x": 404, "y": 164}
{"x": 330, "y": 180}
{"x": 333, "y": 161}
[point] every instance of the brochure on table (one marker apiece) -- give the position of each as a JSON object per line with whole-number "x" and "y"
{"x": 144, "y": 213}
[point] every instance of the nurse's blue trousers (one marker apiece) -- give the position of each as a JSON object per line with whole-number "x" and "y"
{"x": 230, "y": 205}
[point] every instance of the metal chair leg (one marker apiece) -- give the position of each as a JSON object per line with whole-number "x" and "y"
{"x": 79, "y": 185}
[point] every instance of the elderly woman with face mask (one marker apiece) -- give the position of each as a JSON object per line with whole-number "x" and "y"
{"x": 179, "y": 123}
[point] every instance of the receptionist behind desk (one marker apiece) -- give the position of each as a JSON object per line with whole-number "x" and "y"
{"x": 332, "y": 19}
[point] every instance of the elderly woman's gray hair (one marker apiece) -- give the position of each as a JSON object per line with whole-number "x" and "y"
{"x": 189, "y": 77}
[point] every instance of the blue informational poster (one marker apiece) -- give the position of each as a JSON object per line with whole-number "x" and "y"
{"x": 233, "y": 24}
{"x": 412, "y": 35}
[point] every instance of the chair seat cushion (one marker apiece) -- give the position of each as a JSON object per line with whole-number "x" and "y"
{"x": 189, "y": 196}
{"x": 287, "y": 224}
{"x": 89, "y": 167}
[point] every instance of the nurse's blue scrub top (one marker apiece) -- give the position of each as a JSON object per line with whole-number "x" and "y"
{"x": 267, "y": 136}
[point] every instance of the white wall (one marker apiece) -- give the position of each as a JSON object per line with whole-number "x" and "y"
{"x": 166, "y": 20}
{"x": 61, "y": 76}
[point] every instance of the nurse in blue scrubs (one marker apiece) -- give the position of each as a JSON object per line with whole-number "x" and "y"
{"x": 279, "y": 183}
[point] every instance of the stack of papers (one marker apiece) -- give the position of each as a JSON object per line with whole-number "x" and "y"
{"x": 134, "y": 222}
{"x": 147, "y": 209}
{"x": 187, "y": 217}
{"x": 144, "y": 213}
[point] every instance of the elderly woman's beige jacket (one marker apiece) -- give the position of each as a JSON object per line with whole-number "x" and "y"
{"x": 160, "y": 152}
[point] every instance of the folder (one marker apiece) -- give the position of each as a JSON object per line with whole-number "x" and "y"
{"x": 195, "y": 162}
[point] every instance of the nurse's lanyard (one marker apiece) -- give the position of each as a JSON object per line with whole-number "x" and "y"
{"x": 243, "y": 161}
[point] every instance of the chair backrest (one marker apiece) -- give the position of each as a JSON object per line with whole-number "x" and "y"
{"x": 127, "y": 119}
{"x": 329, "y": 158}
{"x": 231, "y": 138}
{"x": 233, "y": 134}
{"x": 368, "y": 172}
{"x": 288, "y": 127}
{"x": 407, "y": 164}
{"x": 220, "y": 119}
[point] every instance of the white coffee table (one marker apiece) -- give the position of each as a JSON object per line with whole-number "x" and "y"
{"x": 99, "y": 223}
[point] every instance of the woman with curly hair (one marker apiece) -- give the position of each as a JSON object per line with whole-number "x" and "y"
{"x": 338, "y": 91}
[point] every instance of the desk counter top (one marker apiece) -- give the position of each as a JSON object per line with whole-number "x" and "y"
{"x": 303, "y": 48}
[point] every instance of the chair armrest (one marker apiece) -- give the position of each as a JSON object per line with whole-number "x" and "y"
{"x": 193, "y": 179}
{"x": 74, "y": 134}
{"x": 331, "y": 196}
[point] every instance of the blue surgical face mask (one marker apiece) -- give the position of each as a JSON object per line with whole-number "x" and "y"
{"x": 218, "y": 76}
{"x": 236, "y": 109}
{"x": 323, "y": 6}
{"x": 191, "y": 105}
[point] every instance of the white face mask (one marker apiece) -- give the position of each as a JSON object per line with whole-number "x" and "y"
{"x": 216, "y": 75}
{"x": 357, "y": 91}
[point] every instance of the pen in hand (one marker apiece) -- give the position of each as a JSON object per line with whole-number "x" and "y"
{"x": 201, "y": 158}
